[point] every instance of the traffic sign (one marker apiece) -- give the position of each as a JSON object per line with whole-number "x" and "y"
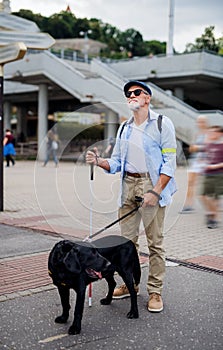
{"x": 38, "y": 41}
{"x": 12, "y": 52}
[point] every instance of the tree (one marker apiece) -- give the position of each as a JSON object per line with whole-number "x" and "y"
{"x": 155, "y": 47}
{"x": 207, "y": 41}
{"x": 61, "y": 25}
{"x": 110, "y": 35}
{"x": 132, "y": 41}
{"x": 220, "y": 45}
{"x": 120, "y": 44}
{"x": 37, "y": 18}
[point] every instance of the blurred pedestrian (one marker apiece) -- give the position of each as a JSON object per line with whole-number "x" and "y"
{"x": 52, "y": 147}
{"x": 196, "y": 163}
{"x": 145, "y": 154}
{"x": 9, "y": 149}
{"x": 212, "y": 187}
{"x": 109, "y": 149}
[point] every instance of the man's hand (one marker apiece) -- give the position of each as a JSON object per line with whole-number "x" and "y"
{"x": 150, "y": 199}
{"x": 92, "y": 156}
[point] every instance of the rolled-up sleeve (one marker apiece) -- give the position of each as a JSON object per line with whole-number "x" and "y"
{"x": 168, "y": 148}
{"x": 116, "y": 158}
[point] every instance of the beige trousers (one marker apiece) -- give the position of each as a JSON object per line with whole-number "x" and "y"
{"x": 153, "y": 221}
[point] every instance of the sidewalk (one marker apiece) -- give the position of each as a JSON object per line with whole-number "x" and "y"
{"x": 191, "y": 319}
{"x": 59, "y": 201}
{"x": 44, "y": 205}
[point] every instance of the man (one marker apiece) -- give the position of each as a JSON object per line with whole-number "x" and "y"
{"x": 52, "y": 147}
{"x": 145, "y": 153}
{"x": 197, "y": 158}
{"x": 213, "y": 175}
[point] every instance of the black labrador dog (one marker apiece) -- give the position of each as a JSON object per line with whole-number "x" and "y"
{"x": 76, "y": 264}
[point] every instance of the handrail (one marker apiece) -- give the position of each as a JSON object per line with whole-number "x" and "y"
{"x": 105, "y": 88}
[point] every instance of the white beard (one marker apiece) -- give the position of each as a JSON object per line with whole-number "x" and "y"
{"x": 134, "y": 106}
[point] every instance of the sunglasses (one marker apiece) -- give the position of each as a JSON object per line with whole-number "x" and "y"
{"x": 136, "y": 92}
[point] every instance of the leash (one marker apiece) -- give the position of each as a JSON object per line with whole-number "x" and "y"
{"x": 137, "y": 199}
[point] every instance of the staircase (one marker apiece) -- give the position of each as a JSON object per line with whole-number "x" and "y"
{"x": 97, "y": 82}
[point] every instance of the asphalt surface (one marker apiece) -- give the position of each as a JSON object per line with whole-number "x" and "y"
{"x": 192, "y": 316}
{"x": 44, "y": 205}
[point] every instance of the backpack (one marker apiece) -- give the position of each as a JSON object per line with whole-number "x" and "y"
{"x": 159, "y": 125}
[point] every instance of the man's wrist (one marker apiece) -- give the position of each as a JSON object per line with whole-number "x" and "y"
{"x": 102, "y": 163}
{"x": 155, "y": 194}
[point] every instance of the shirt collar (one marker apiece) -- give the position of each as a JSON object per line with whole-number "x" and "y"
{"x": 131, "y": 119}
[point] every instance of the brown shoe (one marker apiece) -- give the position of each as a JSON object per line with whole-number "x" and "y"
{"x": 155, "y": 303}
{"x": 123, "y": 292}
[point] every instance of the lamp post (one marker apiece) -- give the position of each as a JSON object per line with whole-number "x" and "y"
{"x": 169, "y": 47}
{"x": 9, "y": 53}
{"x": 86, "y": 45}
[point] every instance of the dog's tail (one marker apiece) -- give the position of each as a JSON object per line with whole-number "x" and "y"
{"x": 136, "y": 268}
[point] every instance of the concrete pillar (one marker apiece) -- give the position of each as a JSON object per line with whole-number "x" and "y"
{"x": 19, "y": 121}
{"x": 74, "y": 55}
{"x": 42, "y": 120}
{"x": 111, "y": 122}
{"x": 23, "y": 119}
{"x": 179, "y": 93}
{"x": 21, "y": 127}
{"x": 7, "y": 115}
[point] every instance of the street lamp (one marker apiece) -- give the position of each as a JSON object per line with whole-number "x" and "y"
{"x": 86, "y": 45}
{"x": 169, "y": 46}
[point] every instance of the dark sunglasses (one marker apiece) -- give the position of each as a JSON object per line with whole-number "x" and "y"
{"x": 136, "y": 92}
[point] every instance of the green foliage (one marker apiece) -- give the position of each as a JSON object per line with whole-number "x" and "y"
{"x": 37, "y": 18}
{"x": 59, "y": 27}
{"x": 119, "y": 44}
{"x": 207, "y": 41}
{"x": 220, "y": 45}
{"x": 155, "y": 47}
{"x": 132, "y": 41}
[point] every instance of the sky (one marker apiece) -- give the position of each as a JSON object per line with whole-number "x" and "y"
{"x": 149, "y": 17}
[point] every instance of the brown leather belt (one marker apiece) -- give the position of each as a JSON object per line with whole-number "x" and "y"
{"x": 137, "y": 175}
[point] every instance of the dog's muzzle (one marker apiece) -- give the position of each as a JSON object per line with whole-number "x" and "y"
{"x": 94, "y": 274}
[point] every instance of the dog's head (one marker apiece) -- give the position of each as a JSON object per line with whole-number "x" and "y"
{"x": 56, "y": 262}
{"x": 85, "y": 257}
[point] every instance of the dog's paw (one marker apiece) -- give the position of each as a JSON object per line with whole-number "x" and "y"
{"x": 105, "y": 301}
{"x": 61, "y": 319}
{"x": 132, "y": 314}
{"x": 74, "y": 330}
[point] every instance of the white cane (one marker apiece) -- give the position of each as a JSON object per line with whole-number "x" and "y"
{"x": 91, "y": 225}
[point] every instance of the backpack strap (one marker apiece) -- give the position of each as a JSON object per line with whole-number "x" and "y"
{"x": 159, "y": 124}
{"x": 124, "y": 124}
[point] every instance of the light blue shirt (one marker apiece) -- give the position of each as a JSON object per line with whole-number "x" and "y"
{"x": 160, "y": 153}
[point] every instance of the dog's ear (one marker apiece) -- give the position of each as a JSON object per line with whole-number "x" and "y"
{"x": 71, "y": 261}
